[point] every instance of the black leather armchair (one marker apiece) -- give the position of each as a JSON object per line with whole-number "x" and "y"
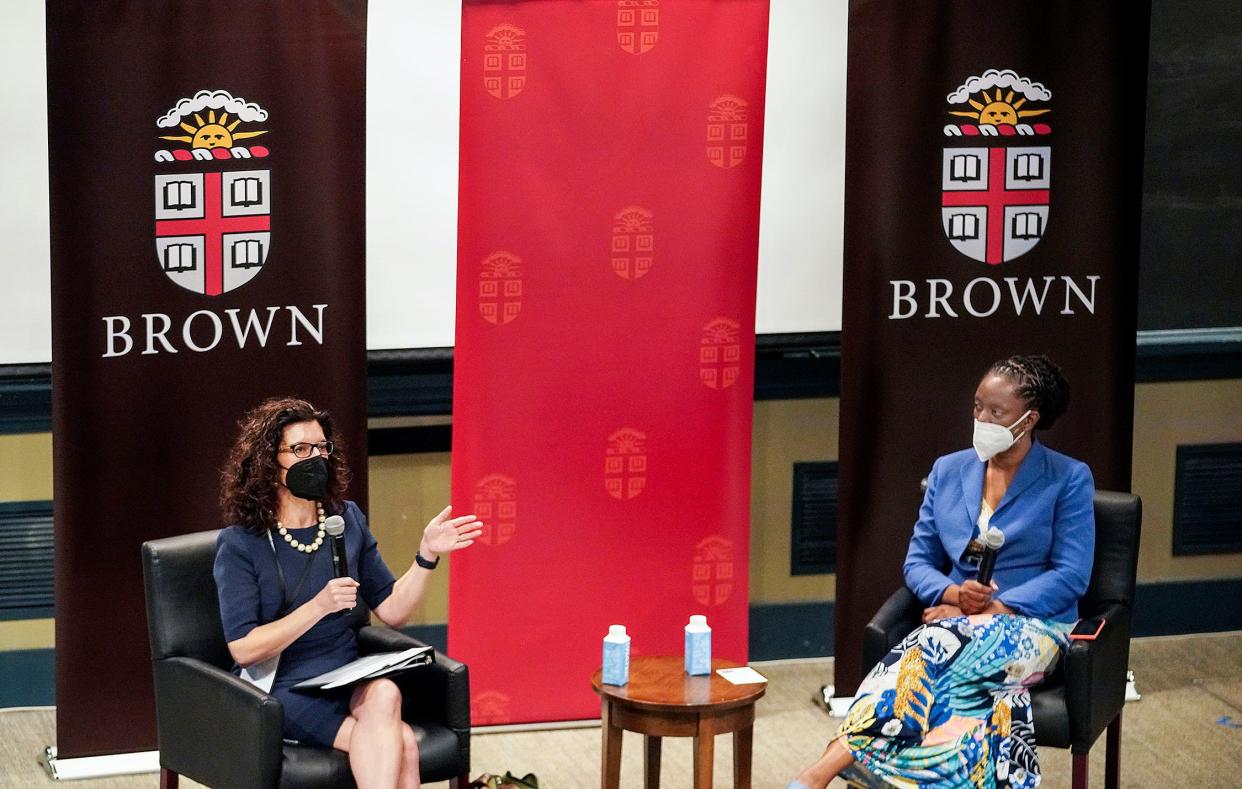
{"x": 220, "y": 730}
{"x": 1085, "y": 696}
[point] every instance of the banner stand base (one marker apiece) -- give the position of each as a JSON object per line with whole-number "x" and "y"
{"x": 99, "y": 766}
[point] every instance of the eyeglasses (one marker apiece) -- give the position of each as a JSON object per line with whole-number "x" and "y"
{"x": 303, "y": 449}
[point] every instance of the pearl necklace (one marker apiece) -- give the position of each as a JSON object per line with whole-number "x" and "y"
{"x": 303, "y": 547}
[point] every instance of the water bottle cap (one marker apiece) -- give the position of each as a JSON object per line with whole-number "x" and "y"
{"x": 698, "y": 619}
{"x": 616, "y": 630}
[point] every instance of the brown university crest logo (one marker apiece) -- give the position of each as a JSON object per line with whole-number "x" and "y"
{"x": 638, "y": 25}
{"x": 712, "y": 571}
{"x": 625, "y": 464}
{"x": 500, "y": 287}
{"x": 504, "y": 61}
{"x": 726, "y": 131}
{"x": 996, "y": 171}
{"x": 495, "y": 503}
{"x": 213, "y": 212}
{"x": 633, "y": 242}
{"x": 719, "y": 354}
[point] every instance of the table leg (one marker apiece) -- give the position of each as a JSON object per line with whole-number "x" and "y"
{"x": 704, "y": 743}
{"x": 743, "y": 739}
{"x": 610, "y": 750}
{"x": 651, "y": 763}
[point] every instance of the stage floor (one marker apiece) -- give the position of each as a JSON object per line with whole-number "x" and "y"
{"x": 1186, "y": 731}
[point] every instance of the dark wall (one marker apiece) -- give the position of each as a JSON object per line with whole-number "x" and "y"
{"x": 1189, "y": 275}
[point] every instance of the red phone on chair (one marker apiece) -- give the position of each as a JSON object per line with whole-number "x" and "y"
{"x": 1087, "y": 629}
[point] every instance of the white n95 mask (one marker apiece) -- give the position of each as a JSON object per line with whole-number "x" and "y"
{"x": 992, "y": 439}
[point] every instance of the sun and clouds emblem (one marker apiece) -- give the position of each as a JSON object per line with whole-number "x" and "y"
{"x": 212, "y": 221}
{"x": 995, "y": 184}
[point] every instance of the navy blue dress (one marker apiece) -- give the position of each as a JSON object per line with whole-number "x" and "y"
{"x": 251, "y": 595}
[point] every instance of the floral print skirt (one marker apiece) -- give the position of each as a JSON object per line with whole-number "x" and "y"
{"x": 950, "y": 705}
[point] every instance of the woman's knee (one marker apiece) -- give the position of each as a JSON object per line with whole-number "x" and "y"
{"x": 381, "y": 697}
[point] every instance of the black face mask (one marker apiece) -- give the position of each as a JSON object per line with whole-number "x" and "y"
{"x": 308, "y": 479}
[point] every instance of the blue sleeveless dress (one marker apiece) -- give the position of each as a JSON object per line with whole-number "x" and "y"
{"x": 251, "y": 595}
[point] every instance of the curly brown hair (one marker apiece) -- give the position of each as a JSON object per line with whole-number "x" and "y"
{"x": 251, "y": 476}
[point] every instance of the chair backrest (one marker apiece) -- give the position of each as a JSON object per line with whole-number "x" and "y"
{"x": 183, "y": 610}
{"x": 1118, "y": 525}
{"x": 183, "y": 607}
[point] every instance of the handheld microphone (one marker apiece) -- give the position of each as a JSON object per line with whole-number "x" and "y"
{"x": 993, "y": 539}
{"x": 334, "y": 525}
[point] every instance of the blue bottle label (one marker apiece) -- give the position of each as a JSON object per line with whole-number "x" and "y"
{"x": 616, "y": 663}
{"x": 698, "y": 653}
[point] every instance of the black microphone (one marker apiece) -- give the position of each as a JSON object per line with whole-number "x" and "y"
{"x": 993, "y": 539}
{"x": 334, "y": 525}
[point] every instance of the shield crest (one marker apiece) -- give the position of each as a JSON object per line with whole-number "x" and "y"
{"x": 996, "y": 172}
{"x": 720, "y": 354}
{"x": 625, "y": 464}
{"x": 712, "y": 571}
{"x": 994, "y": 200}
{"x": 500, "y": 287}
{"x": 638, "y": 25}
{"x": 504, "y": 61}
{"x": 727, "y": 130}
{"x": 633, "y": 242}
{"x": 212, "y": 226}
{"x": 213, "y": 229}
{"x": 495, "y": 502}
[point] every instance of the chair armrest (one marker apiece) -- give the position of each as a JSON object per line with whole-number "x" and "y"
{"x": 382, "y": 638}
{"x": 900, "y": 614}
{"x": 438, "y": 692}
{"x": 1095, "y": 678}
{"x": 214, "y": 727}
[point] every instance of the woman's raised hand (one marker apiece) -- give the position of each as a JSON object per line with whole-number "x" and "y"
{"x": 445, "y": 535}
{"x": 339, "y": 594}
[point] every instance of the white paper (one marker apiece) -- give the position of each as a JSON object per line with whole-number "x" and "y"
{"x": 262, "y": 675}
{"x": 363, "y": 667}
{"x": 743, "y": 675}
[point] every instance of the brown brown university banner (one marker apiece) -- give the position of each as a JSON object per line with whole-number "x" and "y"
{"x": 994, "y": 157}
{"x": 207, "y": 252}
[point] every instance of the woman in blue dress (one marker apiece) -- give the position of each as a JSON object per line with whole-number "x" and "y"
{"x": 950, "y": 705}
{"x": 279, "y": 595}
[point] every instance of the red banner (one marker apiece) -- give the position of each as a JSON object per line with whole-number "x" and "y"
{"x": 608, "y": 238}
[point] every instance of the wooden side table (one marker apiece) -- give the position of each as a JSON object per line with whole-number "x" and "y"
{"x": 661, "y": 700}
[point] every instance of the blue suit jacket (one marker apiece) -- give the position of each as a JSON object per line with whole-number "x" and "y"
{"x": 1047, "y": 515}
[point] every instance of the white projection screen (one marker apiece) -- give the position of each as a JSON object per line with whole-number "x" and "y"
{"x": 413, "y": 53}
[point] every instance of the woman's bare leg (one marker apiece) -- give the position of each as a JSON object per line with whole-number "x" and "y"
{"x": 372, "y": 735}
{"x": 409, "y": 778}
{"x": 835, "y": 759}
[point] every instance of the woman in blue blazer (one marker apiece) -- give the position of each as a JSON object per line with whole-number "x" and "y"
{"x": 950, "y": 705}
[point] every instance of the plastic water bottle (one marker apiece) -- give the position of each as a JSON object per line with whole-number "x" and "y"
{"x": 616, "y": 656}
{"x": 698, "y": 646}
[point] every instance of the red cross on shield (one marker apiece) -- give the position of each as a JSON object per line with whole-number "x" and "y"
{"x": 712, "y": 571}
{"x": 500, "y": 287}
{"x": 212, "y": 230}
{"x": 720, "y": 354}
{"x": 625, "y": 464}
{"x": 495, "y": 504}
{"x": 504, "y": 61}
{"x": 727, "y": 130}
{"x": 638, "y": 25}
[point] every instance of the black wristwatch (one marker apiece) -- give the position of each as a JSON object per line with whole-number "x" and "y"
{"x": 423, "y": 563}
